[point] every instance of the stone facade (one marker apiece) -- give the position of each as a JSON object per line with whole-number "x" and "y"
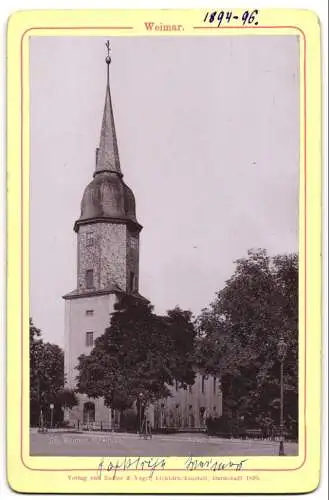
{"x": 188, "y": 408}
{"x": 132, "y": 283}
{"x": 108, "y": 265}
{"x": 111, "y": 252}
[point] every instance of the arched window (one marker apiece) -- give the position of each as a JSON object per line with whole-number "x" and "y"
{"x": 88, "y": 413}
{"x": 178, "y": 420}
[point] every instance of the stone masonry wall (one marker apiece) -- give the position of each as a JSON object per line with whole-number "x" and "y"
{"x": 133, "y": 258}
{"x": 88, "y": 255}
{"x": 102, "y": 247}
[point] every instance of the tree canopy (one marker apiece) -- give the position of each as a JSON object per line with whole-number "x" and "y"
{"x": 239, "y": 332}
{"x": 140, "y": 352}
{"x": 46, "y": 378}
{"x": 235, "y": 338}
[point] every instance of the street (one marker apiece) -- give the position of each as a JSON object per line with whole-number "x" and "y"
{"x": 121, "y": 444}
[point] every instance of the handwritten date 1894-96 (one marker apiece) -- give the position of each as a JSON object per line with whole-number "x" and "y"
{"x": 222, "y": 17}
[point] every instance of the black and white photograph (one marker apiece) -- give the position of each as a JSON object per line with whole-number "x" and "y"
{"x": 164, "y": 218}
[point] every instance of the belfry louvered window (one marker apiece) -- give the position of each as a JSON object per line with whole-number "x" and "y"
{"x": 90, "y": 239}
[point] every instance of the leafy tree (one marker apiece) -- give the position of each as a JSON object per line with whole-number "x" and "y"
{"x": 139, "y": 352}
{"x": 46, "y": 379}
{"x": 37, "y": 386}
{"x": 66, "y": 398}
{"x": 180, "y": 338}
{"x": 238, "y": 336}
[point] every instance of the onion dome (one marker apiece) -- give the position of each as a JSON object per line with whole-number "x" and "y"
{"x": 107, "y": 196}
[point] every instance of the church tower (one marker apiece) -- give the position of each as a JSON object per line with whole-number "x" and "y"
{"x": 108, "y": 257}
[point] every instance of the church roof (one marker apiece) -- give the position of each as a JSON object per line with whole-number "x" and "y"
{"x": 74, "y": 294}
{"x": 107, "y": 155}
{"x": 107, "y": 196}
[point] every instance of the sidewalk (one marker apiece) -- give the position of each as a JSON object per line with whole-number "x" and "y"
{"x": 179, "y": 436}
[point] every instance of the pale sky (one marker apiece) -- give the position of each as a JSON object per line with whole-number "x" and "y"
{"x": 208, "y": 134}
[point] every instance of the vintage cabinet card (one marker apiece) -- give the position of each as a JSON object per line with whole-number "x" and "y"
{"x": 164, "y": 241}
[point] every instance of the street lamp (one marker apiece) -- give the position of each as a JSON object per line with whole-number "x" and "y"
{"x": 51, "y": 406}
{"x": 282, "y": 352}
{"x": 140, "y": 398}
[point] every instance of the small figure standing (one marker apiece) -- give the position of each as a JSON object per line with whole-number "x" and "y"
{"x": 146, "y": 430}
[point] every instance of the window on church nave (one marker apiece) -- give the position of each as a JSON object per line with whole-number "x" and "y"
{"x": 133, "y": 242}
{"x": 89, "y": 339}
{"x": 90, "y": 278}
{"x": 89, "y": 312}
{"x": 203, "y": 383}
{"x": 215, "y": 383}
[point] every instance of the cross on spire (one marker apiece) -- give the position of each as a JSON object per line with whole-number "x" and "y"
{"x": 108, "y": 46}
{"x": 108, "y": 60}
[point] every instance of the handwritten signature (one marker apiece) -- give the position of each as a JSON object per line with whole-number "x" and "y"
{"x": 138, "y": 463}
{"x": 153, "y": 464}
{"x": 213, "y": 464}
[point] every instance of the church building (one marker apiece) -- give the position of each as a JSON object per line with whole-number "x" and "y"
{"x": 108, "y": 241}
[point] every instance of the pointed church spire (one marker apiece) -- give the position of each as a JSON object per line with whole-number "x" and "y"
{"x": 107, "y": 155}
